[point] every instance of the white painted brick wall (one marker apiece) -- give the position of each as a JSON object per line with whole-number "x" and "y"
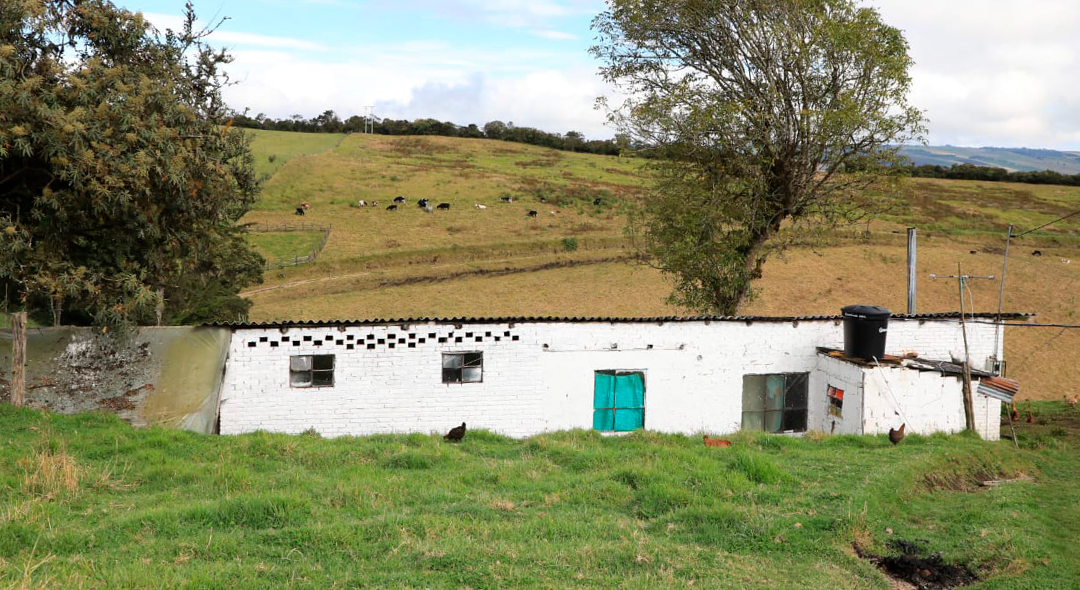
{"x": 543, "y": 380}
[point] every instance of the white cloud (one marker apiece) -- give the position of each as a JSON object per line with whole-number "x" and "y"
{"x": 408, "y": 85}
{"x": 994, "y": 72}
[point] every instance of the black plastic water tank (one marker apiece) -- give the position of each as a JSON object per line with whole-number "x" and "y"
{"x": 865, "y": 328}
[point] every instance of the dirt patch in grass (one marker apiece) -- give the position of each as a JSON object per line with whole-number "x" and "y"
{"x": 416, "y": 146}
{"x": 913, "y": 566}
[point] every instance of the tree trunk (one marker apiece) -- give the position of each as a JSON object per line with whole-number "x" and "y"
{"x": 755, "y": 258}
{"x": 18, "y": 359}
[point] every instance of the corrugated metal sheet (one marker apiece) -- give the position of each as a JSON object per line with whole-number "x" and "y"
{"x": 578, "y": 319}
{"x": 999, "y": 388}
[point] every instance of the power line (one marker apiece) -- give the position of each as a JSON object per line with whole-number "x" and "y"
{"x": 1050, "y": 223}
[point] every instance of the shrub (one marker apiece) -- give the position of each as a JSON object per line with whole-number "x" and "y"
{"x": 569, "y": 244}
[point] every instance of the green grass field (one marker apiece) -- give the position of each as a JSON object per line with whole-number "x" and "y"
{"x": 273, "y": 149}
{"x": 88, "y": 502}
{"x": 284, "y": 246}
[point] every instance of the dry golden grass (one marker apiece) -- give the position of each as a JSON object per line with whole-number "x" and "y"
{"x": 50, "y": 473}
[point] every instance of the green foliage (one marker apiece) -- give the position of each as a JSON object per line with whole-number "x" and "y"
{"x": 758, "y": 114}
{"x": 569, "y": 244}
{"x": 161, "y": 508}
{"x": 119, "y": 172}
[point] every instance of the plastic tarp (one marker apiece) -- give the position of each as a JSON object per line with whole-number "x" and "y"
{"x": 618, "y": 401}
{"x": 168, "y": 376}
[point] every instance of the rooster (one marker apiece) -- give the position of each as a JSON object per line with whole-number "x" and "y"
{"x": 456, "y": 433}
{"x": 716, "y": 442}
{"x": 895, "y": 436}
{"x": 1014, "y": 414}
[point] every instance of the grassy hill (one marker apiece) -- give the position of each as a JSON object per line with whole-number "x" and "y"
{"x": 88, "y": 502}
{"x": 1013, "y": 159}
{"x": 498, "y": 261}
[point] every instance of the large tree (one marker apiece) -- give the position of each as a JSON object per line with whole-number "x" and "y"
{"x": 761, "y": 115}
{"x": 120, "y": 177}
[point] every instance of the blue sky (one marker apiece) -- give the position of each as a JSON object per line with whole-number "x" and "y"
{"x": 988, "y": 72}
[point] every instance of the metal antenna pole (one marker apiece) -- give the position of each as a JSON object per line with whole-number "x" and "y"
{"x": 969, "y": 404}
{"x": 1001, "y": 299}
{"x": 369, "y": 118}
{"x": 911, "y": 254}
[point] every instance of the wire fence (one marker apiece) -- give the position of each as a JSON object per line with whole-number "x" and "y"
{"x": 293, "y": 227}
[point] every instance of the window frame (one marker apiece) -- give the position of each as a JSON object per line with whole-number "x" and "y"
{"x": 615, "y": 400}
{"x": 786, "y": 412}
{"x": 312, "y": 371}
{"x": 477, "y": 363}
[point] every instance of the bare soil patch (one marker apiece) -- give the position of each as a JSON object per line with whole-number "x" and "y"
{"x": 914, "y": 567}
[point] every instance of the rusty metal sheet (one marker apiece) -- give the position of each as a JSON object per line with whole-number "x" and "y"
{"x": 999, "y": 388}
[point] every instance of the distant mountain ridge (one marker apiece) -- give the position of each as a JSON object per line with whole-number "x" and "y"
{"x": 1011, "y": 159}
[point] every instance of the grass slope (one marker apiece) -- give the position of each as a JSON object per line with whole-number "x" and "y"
{"x": 498, "y": 261}
{"x": 87, "y": 502}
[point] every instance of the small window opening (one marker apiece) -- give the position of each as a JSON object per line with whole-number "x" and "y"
{"x": 462, "y": 367}
{"x": 836, "y": 402}
{"x": 311, "y": 370}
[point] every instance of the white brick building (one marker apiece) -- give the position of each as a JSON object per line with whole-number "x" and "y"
{"x": 521, "y": 376}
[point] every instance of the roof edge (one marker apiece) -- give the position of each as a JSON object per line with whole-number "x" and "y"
{"x": 582, "y": 320}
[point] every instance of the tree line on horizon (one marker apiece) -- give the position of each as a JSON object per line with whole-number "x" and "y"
{"x": 330, "y": 122}
{"x": 965, "y": 171}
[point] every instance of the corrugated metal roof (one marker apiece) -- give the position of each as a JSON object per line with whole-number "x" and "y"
{"x": 594, "y": 319}
{"x": 999, "y": 388}
{"x": 916, "y": 363}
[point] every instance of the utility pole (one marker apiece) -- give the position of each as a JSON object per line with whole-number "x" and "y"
{"x": 18, "y": 358}
{"x": 969, "y": 403}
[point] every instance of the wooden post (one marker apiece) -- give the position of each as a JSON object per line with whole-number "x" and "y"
{"x": 18, "y": 359}
{"x": 969, "y": 404}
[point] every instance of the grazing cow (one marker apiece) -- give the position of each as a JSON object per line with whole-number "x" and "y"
{"x": 597, "y": 201}
{"x": 299, "y": 211}
{"x": 399, "y": 199}
{"x": 1066, "y": 261}
{"x": 974, "y": 251}
{"x": 374, "y": 203}
{"x": 479, "y": 206}
{"x": 543, "y": 200}
{"x": 531, "y": 213}
{"x": 361, "y": 203}
{"x": 428, "y": 209}
{"x": 391, "y": 207}
{"x": 506, "y": 199}
{"x": 553, "y": 212}
{"x": 422, "y": 203}
{"x": 1036, "y": 252}
{"x": 443, "y": 206}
